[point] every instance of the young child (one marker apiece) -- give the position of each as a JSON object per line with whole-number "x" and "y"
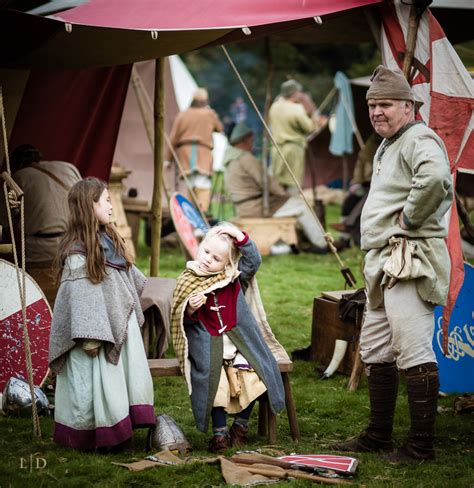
{"x": 219, "y": 345}
{"x": 103, "y": 386}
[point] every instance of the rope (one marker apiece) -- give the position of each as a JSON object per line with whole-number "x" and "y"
{"x": 329, "y": 238}
{"x": 21, "y": 277}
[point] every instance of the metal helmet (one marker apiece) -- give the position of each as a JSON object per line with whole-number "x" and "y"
{"x": 17, "y": 398}
{"x": 167, "y": 435}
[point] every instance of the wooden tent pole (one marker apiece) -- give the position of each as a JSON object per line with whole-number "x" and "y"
{"x": 413, "y": 23}
{"x": 266, "y": 110}
{"x": 156, "y": 203}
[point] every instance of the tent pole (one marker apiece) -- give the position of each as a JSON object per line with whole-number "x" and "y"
{"x": 156, "y": 203}
{"x": 413, "y": 22}
{"x": 265, "y": 144}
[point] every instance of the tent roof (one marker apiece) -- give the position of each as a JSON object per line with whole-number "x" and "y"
{"x": 204, "y": 14}
{"x": 113, "y": 32}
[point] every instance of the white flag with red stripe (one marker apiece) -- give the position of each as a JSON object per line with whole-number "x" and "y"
{"x": 439, "y": 80}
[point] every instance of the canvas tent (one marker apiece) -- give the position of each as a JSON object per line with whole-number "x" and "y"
{"x": 107, "y": 33}
{"x": 74, "y": 115}
{"x": 133, "y": 150}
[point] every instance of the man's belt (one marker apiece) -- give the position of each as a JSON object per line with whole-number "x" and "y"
{"x": 190, "y": 142}
{"x": 248, "y": 199}
{"x": 48, "y": 235}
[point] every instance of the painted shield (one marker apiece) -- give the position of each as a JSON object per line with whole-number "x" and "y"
{"x": 186, "y": 220}
{"x": 456, "y": 367}
{"x": 38, "y": 314}
{"x": 341, "y": 464}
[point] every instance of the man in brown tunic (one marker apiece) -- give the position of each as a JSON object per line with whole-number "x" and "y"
{"x": 191, "y": 138}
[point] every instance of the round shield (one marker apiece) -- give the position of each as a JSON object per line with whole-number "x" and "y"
{"x": 186, "y": 219}
{"x": 456, "y": 367}
{"x": 38, "y": 315}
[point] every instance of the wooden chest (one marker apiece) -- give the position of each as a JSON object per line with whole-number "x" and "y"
{"x": 266, "y": 232}
{"x": 326, "y": 328}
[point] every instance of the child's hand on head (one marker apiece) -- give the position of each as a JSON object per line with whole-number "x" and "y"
{"x": 196, "y": 301}
{"x": 232, "y": 232}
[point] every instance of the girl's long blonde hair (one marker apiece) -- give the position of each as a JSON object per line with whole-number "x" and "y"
{"x": 84, "y": 230}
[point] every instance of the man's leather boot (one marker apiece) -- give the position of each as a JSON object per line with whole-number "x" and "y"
{"x": 422, "y": 389}
{"x": 383, "y": 380}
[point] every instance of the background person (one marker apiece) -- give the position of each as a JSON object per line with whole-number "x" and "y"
{"x": 244, "y": 181}
{"x": 292, "y": 118}
{"x": 410, "y": 193}
{"x": 45, "y": 185}
{"x": 191, "y": 138}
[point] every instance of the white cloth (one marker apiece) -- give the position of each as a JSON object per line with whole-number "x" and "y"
{"x": 401, "y": 329}
{"x": 296, "y": 207}
{"x": 92, "y": 393}
{"x": 197, "y": 180}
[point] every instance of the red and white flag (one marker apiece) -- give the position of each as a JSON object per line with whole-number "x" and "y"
{"x": 446, "y": 89}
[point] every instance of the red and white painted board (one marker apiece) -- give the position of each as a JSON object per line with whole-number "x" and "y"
{"x": 38, "y": 313}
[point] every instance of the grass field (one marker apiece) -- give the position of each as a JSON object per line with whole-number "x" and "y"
{"x": 326, "y": 410}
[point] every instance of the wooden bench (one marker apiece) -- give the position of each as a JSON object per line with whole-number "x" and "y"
{"x": 266, "y": 418}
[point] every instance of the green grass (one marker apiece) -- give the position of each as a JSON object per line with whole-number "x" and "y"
{"x": 326, "y": 410}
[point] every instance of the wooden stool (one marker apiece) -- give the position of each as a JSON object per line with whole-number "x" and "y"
{"x": 266, "y": 418}
{"x": 266, "y": 232}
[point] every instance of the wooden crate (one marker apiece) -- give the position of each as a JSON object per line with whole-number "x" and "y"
{"x": 326, "y": 328}
{"x": 266, "y": 232}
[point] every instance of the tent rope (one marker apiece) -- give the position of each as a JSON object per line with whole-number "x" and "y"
{"x": 348, "y": 276}
{"x": 11, "y": 201}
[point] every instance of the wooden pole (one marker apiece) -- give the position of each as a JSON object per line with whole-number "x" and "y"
{"x": 156, "y": 204}
{"x": 265, "y": 142}
{"x": 413, "y": 22}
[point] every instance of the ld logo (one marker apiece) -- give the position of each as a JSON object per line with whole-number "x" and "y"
{"x": 33, "y": 462}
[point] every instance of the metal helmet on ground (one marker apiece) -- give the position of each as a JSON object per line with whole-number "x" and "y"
{"x": 167, "y": 435}
{"x": 17, "y": 398}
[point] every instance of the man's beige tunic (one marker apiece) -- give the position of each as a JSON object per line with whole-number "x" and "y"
{"x": 244, "y": 181}
{"x": 414, "y": 177}
{"x": 46, "y": 207}
{"x": 290, "y": 125}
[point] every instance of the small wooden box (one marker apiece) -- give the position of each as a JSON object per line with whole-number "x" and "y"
{"x": 266, "y": 232}
{"x": 326, "y": 328}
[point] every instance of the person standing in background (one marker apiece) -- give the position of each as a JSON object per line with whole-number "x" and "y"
{"x": 292, "y": 118}
{"x": 191, "y": 138}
